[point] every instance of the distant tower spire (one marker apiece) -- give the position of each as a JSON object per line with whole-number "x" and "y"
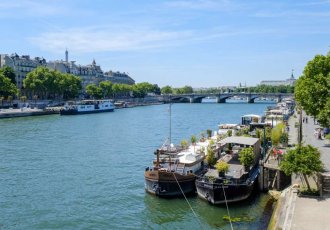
{"x": 66, "y": 55}
{"x": 94, "y": 63}
{"x": 292, "y": 77}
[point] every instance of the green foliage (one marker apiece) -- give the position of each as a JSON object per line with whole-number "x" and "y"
{"x": 284, "y": 139}
{"x": 184, "y": 143}
{"x": 238, "y": 219}
{"x": 258, "y": 133}
{"x": 222, "y": 166}
{"x": 327, "y": 136}
{"x": 140, "y": 90}
{"x": 302, "y": 159}
{"x": 312, "y": 89}
{"x": 193, "y": 139}
{"x": 23, "y": 98}
{"x": 6, "y": 86}
{"x": 48, "y": 83}
{"x": 246, "y": 156}
{"x": 8, "y": 72}
{"x": 230, "y": 133}
{"x": 303, "y": 191}
{"x": 94, "y": 91}
{"x": 184, "y": 90}
{"x": 166, "y": 90}
{"x": 209, "y": 133}
{"x": 106, "y": 87}
{"x": 210, "y": 158}
{"x": 268, "y": 132}
{"x": 275, "y": 136}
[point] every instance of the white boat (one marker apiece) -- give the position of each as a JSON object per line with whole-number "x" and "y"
{"x": 87, "y": 106}
{"x": 274, "y": 117}
{"x": 224, "y": 128}
{"x": 250, "y": 118}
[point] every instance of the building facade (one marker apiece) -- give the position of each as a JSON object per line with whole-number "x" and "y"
{"x": 291, "y": 81}
{"x": 89, "y": 74}
{"x": 22, "y": 65}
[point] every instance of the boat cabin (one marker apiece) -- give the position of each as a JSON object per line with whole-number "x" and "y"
{"x": 250, "y": 118}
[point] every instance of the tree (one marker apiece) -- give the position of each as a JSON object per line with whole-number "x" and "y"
{"x": 246, "y": 157}
{"x": 9, "y": 73}
{"x": 166, "y": 90}
{"x": 312, "y": 90}
{"x": 303, "y": 159}
{"x": 94, "y": 91}
{"x": 106, "y": 87}
{"x": 6, "y": 86}
{"x": 52, "y": 84}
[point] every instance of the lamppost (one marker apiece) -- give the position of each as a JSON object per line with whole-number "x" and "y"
{"x": 35, "y": 97}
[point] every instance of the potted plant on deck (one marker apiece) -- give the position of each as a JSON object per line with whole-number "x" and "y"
{"x": 184, "y": 144}
{"x": 222, "y": 168}
{"x": 246, "y": 157}
{"x": 284, "y": 139}
{"x": 209, "y": 133}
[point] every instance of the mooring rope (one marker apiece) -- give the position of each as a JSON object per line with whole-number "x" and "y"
{"x": 188, "y": 201}
{"x": 231, "y": 225}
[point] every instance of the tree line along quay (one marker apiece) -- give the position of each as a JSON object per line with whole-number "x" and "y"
{"x": 44, "y": 83}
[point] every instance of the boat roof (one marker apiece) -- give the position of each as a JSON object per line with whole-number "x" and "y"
{"x": 239, "y": 140}
{"x": 251, "y": 115}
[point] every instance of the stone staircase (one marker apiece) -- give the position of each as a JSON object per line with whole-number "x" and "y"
{"x": 325, "y": 184}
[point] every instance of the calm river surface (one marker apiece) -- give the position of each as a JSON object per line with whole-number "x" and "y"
{"x": 86, "y": 172}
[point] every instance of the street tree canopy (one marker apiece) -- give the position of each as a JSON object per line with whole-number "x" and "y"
{"x": 303, "y": 159}
{"x": 47, "y": 83}
{"x": 312, "y": 90}
{"x": 7, "y": 88}
{"x": 9, "y": 73}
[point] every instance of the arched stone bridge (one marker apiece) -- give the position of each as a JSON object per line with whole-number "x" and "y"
{"x": 221, "y": 97}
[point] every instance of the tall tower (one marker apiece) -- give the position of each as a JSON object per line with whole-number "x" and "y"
{"x": 66, "y": 55}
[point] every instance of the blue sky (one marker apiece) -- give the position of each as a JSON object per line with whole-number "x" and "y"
{"x": 202, "y": 43}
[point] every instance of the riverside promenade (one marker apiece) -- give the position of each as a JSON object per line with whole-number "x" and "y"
{"x": 305, "y": 212}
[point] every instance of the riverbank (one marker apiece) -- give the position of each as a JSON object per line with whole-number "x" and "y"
{"x": 25, "y": 112}
{"x": 302, "y": 212}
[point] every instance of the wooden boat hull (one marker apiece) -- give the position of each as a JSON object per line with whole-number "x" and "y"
{"x": 164, "y": 184}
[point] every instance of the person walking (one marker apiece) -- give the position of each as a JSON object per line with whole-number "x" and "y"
{"x": 306, "y": 120}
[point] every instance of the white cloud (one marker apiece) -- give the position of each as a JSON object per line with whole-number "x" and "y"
{"x": 31, "y": 8}
{"x": 98, "y": 39}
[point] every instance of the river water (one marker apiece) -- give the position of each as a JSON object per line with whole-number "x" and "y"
{"x": 86, "y": 172}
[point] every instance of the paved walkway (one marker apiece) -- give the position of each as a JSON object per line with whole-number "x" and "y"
{"x": 300, "y": 212}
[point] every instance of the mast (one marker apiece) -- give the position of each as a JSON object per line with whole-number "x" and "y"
{"x": 170, "y": 121}
{"x": 170, "y": 164}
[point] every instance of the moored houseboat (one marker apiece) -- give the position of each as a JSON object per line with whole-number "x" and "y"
{"x": 87, "y": 106}
{"x": 174, "y": 171}
{"x": 235, "y": 185}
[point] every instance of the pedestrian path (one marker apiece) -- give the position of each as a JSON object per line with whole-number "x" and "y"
{"x": 304, "y": 213}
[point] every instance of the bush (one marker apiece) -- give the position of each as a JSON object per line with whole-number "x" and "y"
{"x": 327, "y": 136}
{"x": 230, "y": 133}
{"x": 246, "y": 156}
{"x": 222, "y": 167}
